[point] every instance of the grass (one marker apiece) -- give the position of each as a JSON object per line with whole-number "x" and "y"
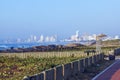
{"x": 15, "y": 68}
{"x": 45, "y": 54}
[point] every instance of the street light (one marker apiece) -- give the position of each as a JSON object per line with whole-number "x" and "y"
{"x": 99, "y": 42}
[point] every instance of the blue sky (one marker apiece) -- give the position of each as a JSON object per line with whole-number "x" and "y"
{"x": 21, "y": 18}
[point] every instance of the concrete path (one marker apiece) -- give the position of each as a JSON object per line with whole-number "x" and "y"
{"x": 111, "y": 73}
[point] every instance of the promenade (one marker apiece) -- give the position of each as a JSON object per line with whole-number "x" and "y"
{"x": 110, "y": 73}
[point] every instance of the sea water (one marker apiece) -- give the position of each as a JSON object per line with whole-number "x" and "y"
{"x": 27, "y": 45}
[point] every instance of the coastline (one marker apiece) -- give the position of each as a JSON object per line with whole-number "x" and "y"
{"x": 37, "y": 47}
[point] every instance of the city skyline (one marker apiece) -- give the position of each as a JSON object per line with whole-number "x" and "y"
{"x": 48, "y": 17}
{"x": 76, "y": 37}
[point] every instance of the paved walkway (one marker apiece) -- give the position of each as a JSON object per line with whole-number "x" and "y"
{"x": 111, "y": 73}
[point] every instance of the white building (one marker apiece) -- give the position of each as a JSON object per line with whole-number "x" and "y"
{"x": 41, "y": 38}
{"x": 85, "y": 37}
{"x": 75, "y": 37}
{"x": 50, "y": 39}
{"x": 19, "y": 40}
{"x": 92, "y": 37}
{"x": 34, "y": 38}
{"x": 116, "y": 37}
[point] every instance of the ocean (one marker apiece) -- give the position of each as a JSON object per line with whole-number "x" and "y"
{"x": 27, "y": 45}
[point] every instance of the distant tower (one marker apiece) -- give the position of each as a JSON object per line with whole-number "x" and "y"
{"x": 85, "y": 36}
{"x": 99, "y": 42}
{"x": 77, "y": 35}
{"x": 41, "y": 38}
{"x": 31, "y": 38}
{"x": 34, "y": 38}
{"x": 47, "y": 39}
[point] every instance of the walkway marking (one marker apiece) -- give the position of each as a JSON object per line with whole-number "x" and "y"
{"x": 105, "y": 70}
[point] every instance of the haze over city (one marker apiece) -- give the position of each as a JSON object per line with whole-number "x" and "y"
{"x": 59, "y": 39}
{"x": 22, "y": 18}
{"x": 76, "y": 37}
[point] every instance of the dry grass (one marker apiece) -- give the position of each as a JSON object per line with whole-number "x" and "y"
{"x": 45, "y": 54}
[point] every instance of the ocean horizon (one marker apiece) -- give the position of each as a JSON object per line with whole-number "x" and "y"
{"x": 4, "y": 46}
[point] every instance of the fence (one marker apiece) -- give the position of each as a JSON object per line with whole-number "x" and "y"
{"x": 63, "y": 72}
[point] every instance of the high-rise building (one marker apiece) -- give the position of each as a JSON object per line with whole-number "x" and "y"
{"x": 116, "y": 37}
{"x": 34, "y": 38}
{"x": 75, "y": 37}
{"x": 41, "y": 38}
{"x": 19, "y": 40}
{"x": 47, "y": 39}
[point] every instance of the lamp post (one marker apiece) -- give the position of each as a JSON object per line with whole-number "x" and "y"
{"x": 99, "y": 42}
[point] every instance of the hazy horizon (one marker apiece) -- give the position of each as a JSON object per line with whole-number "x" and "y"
{"x": 22, "y": 18}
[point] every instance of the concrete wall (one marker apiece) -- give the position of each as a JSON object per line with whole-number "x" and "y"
{"x": 117, "y": 51}
{"x": 86, "y": 63}
{"x": 90, "y": 61}
{"x": 98, "y": 58}
{"x": 75, "y": 68}
{"x": 59, "y": 72}
{"x": 50, "y": 74}
{"x": 81, "y": 65}
{"x": 94, "y": 59}
{"x": 63, "y": 72}
{"x": 67, "y": 70}
{"x": 40, "y": 76}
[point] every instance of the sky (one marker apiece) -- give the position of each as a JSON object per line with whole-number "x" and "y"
{"x": 22, "y": 18}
